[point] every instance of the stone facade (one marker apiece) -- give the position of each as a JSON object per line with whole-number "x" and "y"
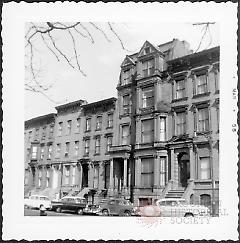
{"x": 163, "y": 137}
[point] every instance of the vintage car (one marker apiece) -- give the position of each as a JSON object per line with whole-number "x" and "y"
{"x": 69, "y": 203}
{"x": 91, "y": 209}
{"x": 119, "y": 207}
{"x": 35, "y": 201}
{"x": 173, "y": 207}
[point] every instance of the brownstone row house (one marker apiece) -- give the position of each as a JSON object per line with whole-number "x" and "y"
{"x": 159, "y": 138}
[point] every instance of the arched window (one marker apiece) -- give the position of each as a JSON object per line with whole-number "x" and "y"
{"x": 205, "y": 200}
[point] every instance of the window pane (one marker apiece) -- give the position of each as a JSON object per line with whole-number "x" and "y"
{"x": 204, "y": 168}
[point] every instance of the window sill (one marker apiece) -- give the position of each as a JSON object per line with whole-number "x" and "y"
{"x": 96, "y": 154}
{"x": 87, "y": 131}
{"x": 99, "y": 129}
{"x": 107, "y": 153}
{"x": 86, "y": 155}
{"x": 201, "y": 95}
{"x": 203, "y": 133}
{"x": 179, "y": 99}
{"x": 124, "y": 115}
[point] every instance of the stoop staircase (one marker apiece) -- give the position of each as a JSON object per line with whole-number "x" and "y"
{"x": 175, "y": 193}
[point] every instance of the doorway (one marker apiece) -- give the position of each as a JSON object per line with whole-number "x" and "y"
{"x": 183, "y": 169}
{"x": 84, "y": 175}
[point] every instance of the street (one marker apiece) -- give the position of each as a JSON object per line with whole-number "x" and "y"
{"x": 35, "y": 212}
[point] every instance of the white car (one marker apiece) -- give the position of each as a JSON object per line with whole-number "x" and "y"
{"x": 174, "y": 207}
{"x": 34, "y": 201}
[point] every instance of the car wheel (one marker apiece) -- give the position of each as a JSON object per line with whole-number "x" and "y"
{"x": 127, "y": 213}
{"x": 58, "y": 210}
{"x": 188, "y": 215}
{"x": 105, "y": 212}
{"x": 80, "y": 211}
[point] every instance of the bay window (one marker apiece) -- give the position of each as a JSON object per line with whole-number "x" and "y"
{"x": 148, "y": 97}
{"x": 147, "y": 131}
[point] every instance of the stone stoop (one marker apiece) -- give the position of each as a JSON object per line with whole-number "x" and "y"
{"x": 175, "y": 193}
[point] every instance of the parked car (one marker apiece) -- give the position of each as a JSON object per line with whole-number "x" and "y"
{"x": 91, "y": 209}
{"x": 35, "y": 201}
{"x": 174, "y": 207}
{"x": 69, "y": 203}
{"x": 119, "y": 207}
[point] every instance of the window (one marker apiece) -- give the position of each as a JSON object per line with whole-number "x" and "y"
{"x": 126, "y": 77}
{"x": 86, "y": 147}
{"x": 147, "y": 97}
{"x": 60, "y": 127}
{"x": 95, "y": 176}
{"x": 50, "y": 151}
{"x": 97, "y": 145}
{"x": 99, "y": 123}
{"x": 67, "y": 174}
{"x": 147, "y": 50}
{"x": 147, "y": 172}
{"x": 205, "y": 200}
{"x": 148, "y": 68}
{"x": 51, "y": 131}
{"x": 34, "y": 152}
{"x": 216, "y": 78}
{"x": 110, "y": 120}
{"x": 205, "y": 168}
{"x": 180, "y": 89}
{"x": 76, "y": 148}
{"x": 201, "y": 84}
{"x": 147, "y": 131}
{"x": 42, "y": 152}
{"x": 58, "y": 152}
{"x": 43, "y": 132}
{"x": 203, "y": 120}
{"x": 217, "y": 111}
{"x": 181, "y": 123}
{"x": 30, "y": 135}
{"x": 125, "y": 134}
{"x": 78, "y": 125}
{"x": 67, "y": 149}
{"x": 47, "y": 178}
{"x": 109, "y": 143}
{"x": 40, "y": 177}
{"x": 126, "y": 104}
{"x": 162, "y": 129}
{"x": 162, "y": 171}
{"x": 74, "y": 175}
{"x": 88, "y": 124}
{"x": 69, "y": 127}
{"x": 37, "y": 133}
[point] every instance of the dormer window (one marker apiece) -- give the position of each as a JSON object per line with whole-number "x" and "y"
{"x": 126, "y": 77}
{"x": 147, "y": 50}
{"x": 148, "y": 67}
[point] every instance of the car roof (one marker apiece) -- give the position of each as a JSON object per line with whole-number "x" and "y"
{"x": 73, "y": 197}
{"x": 171, "y": 199}
{"x": 35, "y": 195}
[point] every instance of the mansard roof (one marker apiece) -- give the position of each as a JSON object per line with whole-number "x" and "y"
{"x": 45, "y": 119}
{"x": 195, "y": 59}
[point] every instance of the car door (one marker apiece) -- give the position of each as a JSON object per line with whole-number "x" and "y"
{"x": 112, "y": 206}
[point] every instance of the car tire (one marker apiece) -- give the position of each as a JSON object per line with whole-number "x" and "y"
{"x": 105, "y": 212}
{"x": 126, "y": 213}
{"x": 58, "y": 210}
{"x": 188, "y": 215}
{"x": 80, "y": 211}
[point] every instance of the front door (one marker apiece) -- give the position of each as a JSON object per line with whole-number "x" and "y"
{"x": 184, "y": 170}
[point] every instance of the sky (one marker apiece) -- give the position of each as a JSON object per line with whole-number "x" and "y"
{"x": 101, "y": 61}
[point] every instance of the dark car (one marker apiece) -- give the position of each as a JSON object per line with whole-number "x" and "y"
{"x": 74, "y": 204}
{"x": 119, "y": 207}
